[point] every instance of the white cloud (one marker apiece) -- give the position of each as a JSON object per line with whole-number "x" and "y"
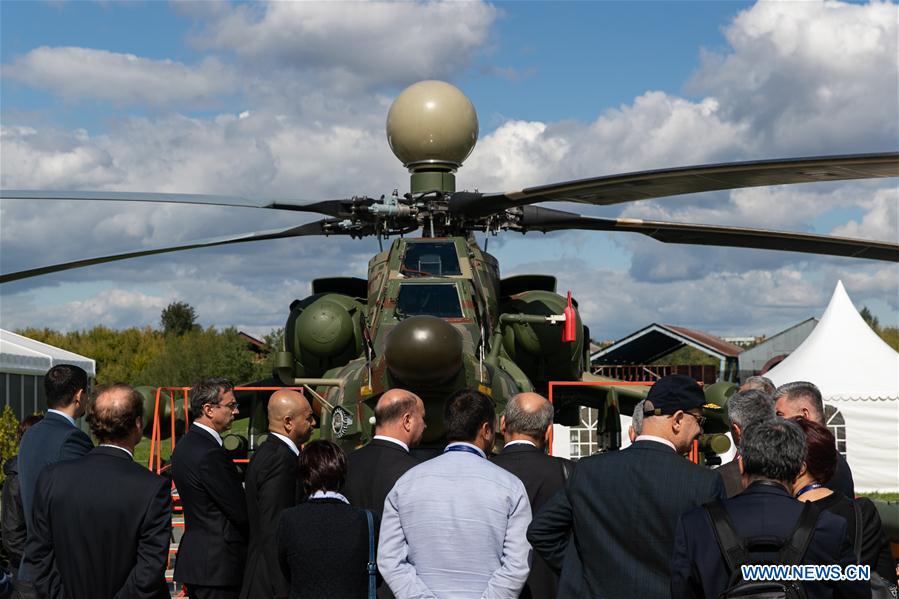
{"x": 880, "y": 221}
{"x": 806, "y": 74}
{"x": 124, "y": 79}
{"x": 355, "y": 45}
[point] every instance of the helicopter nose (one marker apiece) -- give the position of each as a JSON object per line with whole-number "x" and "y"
{"x": 424, "y": 349}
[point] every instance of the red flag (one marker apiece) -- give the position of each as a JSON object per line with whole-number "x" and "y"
{"x": 569, "y": 330}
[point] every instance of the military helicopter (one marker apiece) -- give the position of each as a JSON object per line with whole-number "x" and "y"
{"x": 434, "y": 314}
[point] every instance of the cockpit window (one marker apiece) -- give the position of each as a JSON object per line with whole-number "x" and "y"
{"x": 435, "y": 259}
{"x": 441, "y": 300}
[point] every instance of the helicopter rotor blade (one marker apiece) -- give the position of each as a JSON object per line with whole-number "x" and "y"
{"x": 335, "y": 208}
{"x": 632, "y": 187}
{"x": 321, "y": 227}
{"x": 535, "y": 218}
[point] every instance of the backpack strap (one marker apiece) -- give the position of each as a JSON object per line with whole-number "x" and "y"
{"x": 372, "y": 566}
{"x": 796, "y": 546}
{"x": 735, "y": 553}
{"x": 858, "y": 531}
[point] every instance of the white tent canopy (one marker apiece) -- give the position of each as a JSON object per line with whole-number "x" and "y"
{"x": 21, "y": 355}
{"x": 858, "y": 374}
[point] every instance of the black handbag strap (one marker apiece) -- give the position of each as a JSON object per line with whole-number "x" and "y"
{"x": 858, "y": 531}
{"x": 796, "y": 546}
{"x": 372, "y": 565}
{"x": 735, "y": 553}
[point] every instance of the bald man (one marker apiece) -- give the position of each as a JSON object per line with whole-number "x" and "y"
{"x": 372, "y": 470}
{"x": 271, "y": 487}
{"x": 526, "y": 425}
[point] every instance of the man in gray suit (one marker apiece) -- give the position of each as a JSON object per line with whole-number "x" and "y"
{"x": 454, "y": 526}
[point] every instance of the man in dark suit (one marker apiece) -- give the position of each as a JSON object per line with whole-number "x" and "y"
{"x": 101, "y": 523}
{"x": 744, "y": 409}
{"x": 772, "y": 453}
{"x": 621, "y": 508}
{"x": 272, "y": 486}
{"x": 213, "y": 550}
{"x": 374, "y": 469}
{"x": 53, "y": 439}
{"x": 802, "y": 399}
{"x": 526, "y": 425}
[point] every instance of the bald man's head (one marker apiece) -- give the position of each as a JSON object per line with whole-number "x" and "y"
{"x": 400, "y": 414}
{"x": 116, "y": 415}
{"x": 527, "y": 416}
{"x": 289, "y": 414}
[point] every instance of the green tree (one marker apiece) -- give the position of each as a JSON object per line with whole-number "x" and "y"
{"x": 120, "y": 355}
{"x": 275, "y": 339}
{"x": 178, "y": 318}
{"x": 872, "y": 320}
{"x": 9, "y": 437}
{"x": 686, "y": 355}
{"x": 185, "y": 359}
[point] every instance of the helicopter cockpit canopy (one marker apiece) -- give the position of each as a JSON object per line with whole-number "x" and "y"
{"x": 431, "y": 258}
{"x": 440, "y": 300}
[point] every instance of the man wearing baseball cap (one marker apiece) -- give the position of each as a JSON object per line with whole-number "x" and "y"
{"x": 621, "y": 508}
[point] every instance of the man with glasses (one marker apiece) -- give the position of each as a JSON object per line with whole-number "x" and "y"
{"x": 621, "y": 508}
{"x": 210, "y": 561}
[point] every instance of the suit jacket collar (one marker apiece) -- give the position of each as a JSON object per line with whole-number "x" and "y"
{"x": 55, "y": 416}
{"x": 764, "y": 488}
{"x": 652, "y": 446}
{"x": 112, "y": 452}
{"x": 204, "y": 434}
{"x": 281, "y": 439}
{"x": 520, "y": 448}
{"x": 388, "y": 445}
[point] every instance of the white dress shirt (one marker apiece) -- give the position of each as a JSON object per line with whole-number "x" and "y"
{"x": 521, "y": 442}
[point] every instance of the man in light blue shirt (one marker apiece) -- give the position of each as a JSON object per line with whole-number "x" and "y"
{"x": 454, "y": 526}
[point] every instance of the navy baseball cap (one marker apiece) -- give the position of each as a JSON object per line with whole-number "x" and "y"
{"x": 672, "y": 393}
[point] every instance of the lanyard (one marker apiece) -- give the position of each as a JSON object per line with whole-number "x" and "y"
{"x": 807, "y": 488}
{"x": 464, "y": 448}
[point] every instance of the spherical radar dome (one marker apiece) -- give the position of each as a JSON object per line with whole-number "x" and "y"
{"x": 432, "y": 123}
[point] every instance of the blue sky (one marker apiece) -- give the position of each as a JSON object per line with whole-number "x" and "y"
{"x": 289, "y": 100}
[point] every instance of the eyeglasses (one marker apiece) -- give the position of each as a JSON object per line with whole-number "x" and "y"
{"x": 231, "y": 406}
{"x": 700, "y": 419}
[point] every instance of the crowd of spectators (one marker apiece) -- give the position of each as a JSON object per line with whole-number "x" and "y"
{"x": 308, "y": 521}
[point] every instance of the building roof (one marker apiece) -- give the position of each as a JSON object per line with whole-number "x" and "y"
{"x": 657, "y": 340}
{"x": 22, "y": 355}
